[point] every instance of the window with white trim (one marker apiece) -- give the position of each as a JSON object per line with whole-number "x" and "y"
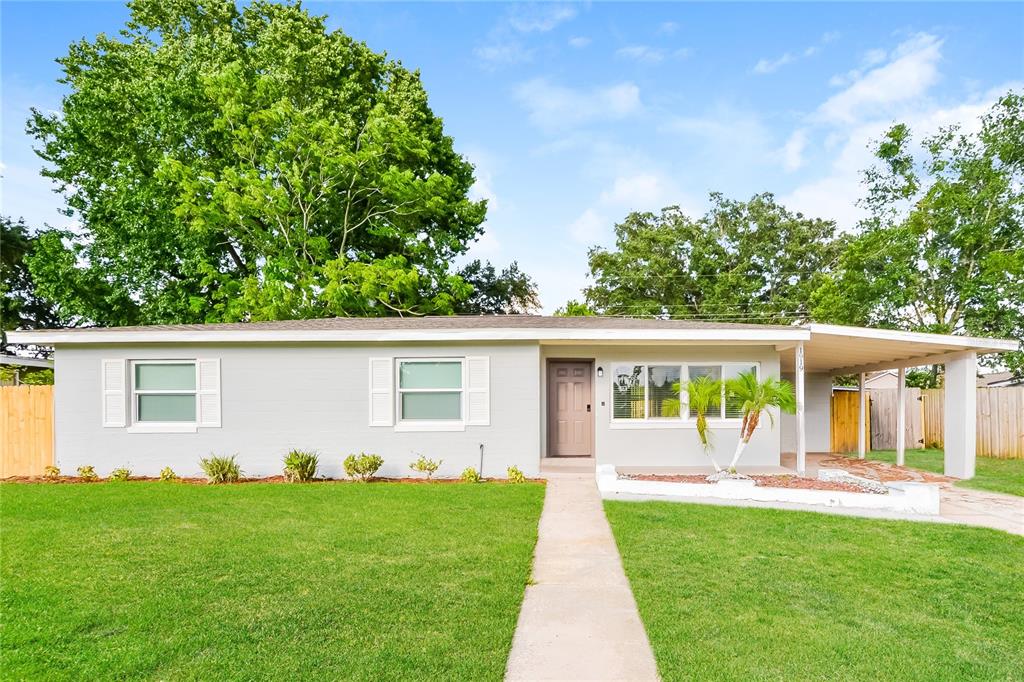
{"x": 657, "y": 391}
{"x": 430, "y": 390}
{"x": 164, "y": 392}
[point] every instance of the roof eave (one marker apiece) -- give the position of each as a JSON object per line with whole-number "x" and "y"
{"x": 70, "y": 336}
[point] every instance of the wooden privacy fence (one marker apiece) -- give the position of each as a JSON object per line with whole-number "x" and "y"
{"x": 1000, "y": 424}
{"x": 1000, "y": 420}
{"x": 26, "y": 430}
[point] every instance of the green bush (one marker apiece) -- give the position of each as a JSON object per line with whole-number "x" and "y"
{"x": 362, "y": 466}
{"x": 300, "y": 466}
{"x": 121, "y": 474}
{"x": 51, "y": 473}
{"x": 425, "y": 465}
{"x": 221, "y": 469}
{"x": 515, "y": 475}
{"x": 167, "y": 474}
{"x": 470, "y": 475}
{"x": 87, "y": 473}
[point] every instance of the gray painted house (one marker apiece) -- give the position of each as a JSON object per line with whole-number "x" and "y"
{"x": 514, "y": 390}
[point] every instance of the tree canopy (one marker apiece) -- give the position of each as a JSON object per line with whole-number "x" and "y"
{"x": 943, "y": 247}
{"x": 20, "y": 305}
{"x": 741, "y": 261}
{"x": 235, "y": 163}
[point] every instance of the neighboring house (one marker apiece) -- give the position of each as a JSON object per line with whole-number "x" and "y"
{"x": 888, "y": 379}
{"x": 507, "y": 390}
{"x": 999, "y": 379}
{"x": 18, "y": 366}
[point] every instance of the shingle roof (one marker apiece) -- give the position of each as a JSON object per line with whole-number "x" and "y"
{"x": 438, "y": 323}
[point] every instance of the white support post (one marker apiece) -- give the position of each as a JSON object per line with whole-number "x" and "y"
{"x": 862, "y": 420}
{"x": 801, "y": 434}
{"x": 959, "y": 429}
{"x": 901, "y": 417}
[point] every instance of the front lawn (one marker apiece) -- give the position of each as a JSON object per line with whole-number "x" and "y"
{"x": 263, "y": 581}
{"x": 997, "y": 475}
{"x": 730, "y": 593}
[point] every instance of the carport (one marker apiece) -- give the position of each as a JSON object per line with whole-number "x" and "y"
{"x": 834, "y": 350}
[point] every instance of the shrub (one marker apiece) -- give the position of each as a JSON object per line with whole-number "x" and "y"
{"x": 51, "y": 473}
{"x": 425, "y": 465}
{"x": 515, "y": 475}
{"x": 470, "y": 475}
{"x": 300, "y": 466}
{"x": 167, "y": 474}
{"x": 221, "y": 469}
{"x": 87, "y": 473}
{"x": 362, "y": 466}
{"x": 121, "y": 474}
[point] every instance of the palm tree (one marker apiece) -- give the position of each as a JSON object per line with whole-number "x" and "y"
{"x": 755, "y": 397}
{"x": 704, "y": 393}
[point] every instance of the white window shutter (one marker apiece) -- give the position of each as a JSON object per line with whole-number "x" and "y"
{"x": 208, "y": 391}
{"x": 115, "y": 406}
{"x": 478, "y": 390}
{"x": 382, "y": 403}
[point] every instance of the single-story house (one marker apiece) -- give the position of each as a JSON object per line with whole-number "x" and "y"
{"x": 501, "y": 390}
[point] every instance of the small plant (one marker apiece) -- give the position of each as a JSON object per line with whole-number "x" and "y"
{"x": 470, "y": 475}
{"x": 515, "y": 475}
{"x": 425, "y": 465}
{"x": 221, "y": 469}
{"x": 121, "y": 474}
{"x": 167, "y": 474}
{"x": 300, "y": 466}
{"x": 51, "y": 473}
{"x": 87, "y": 474}
{"x": 362, "y": 466}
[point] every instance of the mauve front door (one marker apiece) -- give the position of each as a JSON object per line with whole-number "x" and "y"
{"x": 570, "y": 413}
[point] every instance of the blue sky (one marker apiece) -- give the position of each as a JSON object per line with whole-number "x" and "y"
{"x": 575, "y": 114}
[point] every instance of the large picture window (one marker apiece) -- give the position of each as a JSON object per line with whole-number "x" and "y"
{"x": 657, "y": 392}
{"x": 430, "y": 390}
{"x": 164, "y": 391}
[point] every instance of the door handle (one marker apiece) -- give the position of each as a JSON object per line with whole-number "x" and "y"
{"x": 588, "y": 407}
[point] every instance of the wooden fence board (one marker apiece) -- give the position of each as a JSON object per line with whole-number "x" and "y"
{"x": 845, "y": 418}
{"x": 1000, "y": 420}
{"x": 883, "y": 419}
{"x": 26, "y": 430}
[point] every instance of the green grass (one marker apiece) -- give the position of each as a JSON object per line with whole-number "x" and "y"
{"x": 996, "y": 475}
{"x": 263, "y": 581}
{"x": 762, "y": 594}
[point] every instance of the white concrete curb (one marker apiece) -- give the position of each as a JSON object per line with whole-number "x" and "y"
{"x": 916, "y": 498}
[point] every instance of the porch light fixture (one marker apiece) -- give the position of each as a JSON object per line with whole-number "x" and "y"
{"x": 600, "y": 372}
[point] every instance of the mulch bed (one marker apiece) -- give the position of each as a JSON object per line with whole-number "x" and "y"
{"x": 782, "y": 481}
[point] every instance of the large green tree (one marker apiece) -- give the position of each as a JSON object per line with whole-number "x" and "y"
{"x": 943, "y": 247}
{"x": 20, "y": 305}
{"x": 234, "y": 163}
{"x": 741, "y": 261}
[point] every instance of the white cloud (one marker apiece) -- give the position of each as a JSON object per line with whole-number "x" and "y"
{"x": 504, "y": 44}
{"x": 667, "y": 28}
{"x": 766, "y": 66}
{"x": 555, "y": 107}
{"x": 642, "y": 53}
{"x": 504, "y": 52}
{"x": 651, "y": 55}
{"x": 637, "y": 191}
{"x": 539, "y": 18}
{"x": 793, "y": 151}
{"x": 911, "y": 71}
{"x": 868, "y": 59}
{"x": 579, "y": 41}
{"x": 589, "y": 227}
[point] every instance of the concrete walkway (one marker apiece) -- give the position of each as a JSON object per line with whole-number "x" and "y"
{"x": 579, "y": 620}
